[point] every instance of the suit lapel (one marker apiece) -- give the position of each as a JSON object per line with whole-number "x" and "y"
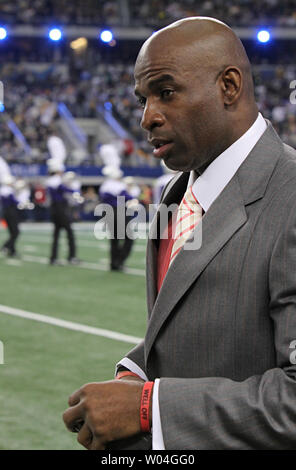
{"x": 224, "y": 218}
{"x": 226, "y": 215}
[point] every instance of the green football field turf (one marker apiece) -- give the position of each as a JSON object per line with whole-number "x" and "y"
{"x": 44, "y": 363}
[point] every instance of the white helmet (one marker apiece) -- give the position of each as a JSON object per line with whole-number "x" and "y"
{"x": 129, "y": 180}
{"x": 69, "y": 176}
{"x": 8, "y": 179}
{"x": 55, "y": 165}
{"x": 112, "y": 172}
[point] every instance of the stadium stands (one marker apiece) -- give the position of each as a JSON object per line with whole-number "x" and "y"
{"x": 151, "y": 13}
{"x": 242, "y": 13}
{"x": 39, "y": 77}
{"x": 82, "y": 12}
{"x": 31, "y": 101}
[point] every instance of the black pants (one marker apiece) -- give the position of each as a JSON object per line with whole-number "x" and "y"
{"x": 61, "y": 218}
{"x": 120, "y": 243}
{"x": 10, "y": 215}
{"x": 120, "y": 250}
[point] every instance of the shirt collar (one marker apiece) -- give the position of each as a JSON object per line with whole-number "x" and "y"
{"x": 217, "y": 175}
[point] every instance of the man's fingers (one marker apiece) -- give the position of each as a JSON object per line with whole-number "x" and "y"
{"x": 76, "y": 427}
{"x": 74, "y": 399}
{"x": 73, "y": 418}
{"x": 85, "y": 436}
{"x": 97, "y": 444}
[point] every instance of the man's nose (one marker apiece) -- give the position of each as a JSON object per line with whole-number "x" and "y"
{"x": 152, "y": 117}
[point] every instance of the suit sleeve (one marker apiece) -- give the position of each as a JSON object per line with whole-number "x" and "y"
{"x": 259, "y": 412}
{"x": 136, "y": 355}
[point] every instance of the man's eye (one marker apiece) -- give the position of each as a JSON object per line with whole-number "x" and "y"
{"x": 142, "y": 101}
{"x": 166, "y": 93}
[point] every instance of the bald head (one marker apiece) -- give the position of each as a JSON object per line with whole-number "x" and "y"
{"x": 211, "y": 44}
{"x": 195, "y": 79}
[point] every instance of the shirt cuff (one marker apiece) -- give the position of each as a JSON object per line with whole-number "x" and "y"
{"x": 133, "y": 367}
{"x": 157, "y": 436}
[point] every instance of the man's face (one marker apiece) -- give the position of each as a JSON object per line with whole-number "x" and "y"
{"x": 182, "y": 107}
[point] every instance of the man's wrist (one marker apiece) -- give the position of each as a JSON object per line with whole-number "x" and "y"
{"x": 146, "y": 407}
{"x": 125, "y": 374}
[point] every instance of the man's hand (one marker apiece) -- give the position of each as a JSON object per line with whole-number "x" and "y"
{"x": 105, "y": 412}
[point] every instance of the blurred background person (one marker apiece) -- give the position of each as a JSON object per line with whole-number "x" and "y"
{"x": 55, "y": 144}
{"x": 39, "y": 197}
{"x": 90, "y": 201}
{"x": 116, "y": 153}
{"x": 4, "y": 169}
{"x": 60, "y": 210}
{"x": 114, "y": 192}
{"x": 74, "y": 197}
{"x": 9, "y": 204}
{"x": 110, "y": 154}
{"x": 132, "y": 187}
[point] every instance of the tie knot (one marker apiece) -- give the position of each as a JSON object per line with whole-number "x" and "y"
{"x": 188, "y": 216}
{"x": 189, "y": 202}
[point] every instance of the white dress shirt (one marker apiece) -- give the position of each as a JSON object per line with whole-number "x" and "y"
{"x": 206, "y": 189}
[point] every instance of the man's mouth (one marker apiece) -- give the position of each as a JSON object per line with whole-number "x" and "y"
{"x": 161, "y": 147}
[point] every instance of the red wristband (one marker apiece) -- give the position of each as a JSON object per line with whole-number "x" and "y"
{"x": 145, "y": 406}
{"x": 124, "y": 373}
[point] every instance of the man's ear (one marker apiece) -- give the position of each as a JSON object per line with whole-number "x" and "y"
{"x": 231, "y": 81}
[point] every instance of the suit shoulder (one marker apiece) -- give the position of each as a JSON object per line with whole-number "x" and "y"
{"x": 289, "y": 153}
{"x": 282, "y": 187}
{"x": 287, "y": 164}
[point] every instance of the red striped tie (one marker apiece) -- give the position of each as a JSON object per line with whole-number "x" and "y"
{"x": 188, "y": 216}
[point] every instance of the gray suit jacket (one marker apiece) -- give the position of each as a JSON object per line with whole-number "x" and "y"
{"x": 221, "y": 330}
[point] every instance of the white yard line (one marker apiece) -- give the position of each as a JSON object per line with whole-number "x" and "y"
{"x": 45, "y": 226}
{"x": 29, "y": 248}
{"x": 83, "y": 265}
{"x": 13, "y": 262}
{"x": 88, "y": 244}
{"x": 82, "y": 227}
{"x": 69, "y": 325}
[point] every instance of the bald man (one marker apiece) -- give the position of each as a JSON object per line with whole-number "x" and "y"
{"x": 219, "y": 353}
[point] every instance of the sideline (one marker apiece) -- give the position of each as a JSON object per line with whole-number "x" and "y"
{"x": 69, "y": 325}
{"x": 81, "y": 265}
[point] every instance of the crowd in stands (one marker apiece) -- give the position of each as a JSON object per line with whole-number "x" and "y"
{"x": 36, "y": 79}
{"x": 241, "y": 13}
{"x": 31, "y": 100}
{"x": 274, "y": 94}
{"x": 30, "y": 104}
{"x": 81, "y": 12}
{"x": 149, "y": 12}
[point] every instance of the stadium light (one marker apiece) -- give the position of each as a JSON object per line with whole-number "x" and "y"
{"x": 263, "y": 36}
{"x": 106, "y": 36}
{"x": 79, "y": 44}
{"x": 3, "y": 33}
{"x": 55, "y": 34}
